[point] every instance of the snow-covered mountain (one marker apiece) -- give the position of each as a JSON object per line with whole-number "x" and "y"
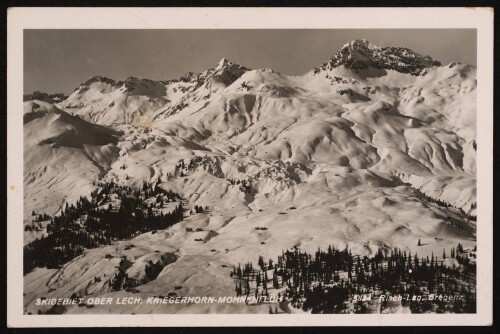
{"x": 362, "y": 55}
{"x": 102, "y": 100}
{"x": 358, "y": 151}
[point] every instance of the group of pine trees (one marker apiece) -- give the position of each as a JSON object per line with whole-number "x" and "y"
{"x": 198, "y": 209}
{"x": 39, "y": 217}
{"x": 210, "y": 164}
{"x": 182, "y": 169}
{"x": 36, "y": 223}
{"x": 325, "y": 282}
{"x": 244, "y": 185}
{"x": 121, "y": 281}
{"x": 95, "y": 222}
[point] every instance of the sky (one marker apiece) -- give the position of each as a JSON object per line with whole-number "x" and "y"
{"x": 57, "y": 61}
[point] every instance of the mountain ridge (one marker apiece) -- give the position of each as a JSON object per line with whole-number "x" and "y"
{"x": 356, "y": 55}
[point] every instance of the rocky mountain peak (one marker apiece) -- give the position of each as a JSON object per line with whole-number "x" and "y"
{"x": 223, "y": 63}
{"x": 99, "y": 78}
{"x": 225, "y": 71}
{"x": 361, "y": 54}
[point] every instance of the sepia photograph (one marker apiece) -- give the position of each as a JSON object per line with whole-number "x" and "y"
{"x": 278, "y": 171}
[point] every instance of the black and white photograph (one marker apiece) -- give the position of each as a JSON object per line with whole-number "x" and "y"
{"x": 239, "y": 171}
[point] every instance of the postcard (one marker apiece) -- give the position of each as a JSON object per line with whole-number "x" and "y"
{"x": 250, "y": 166}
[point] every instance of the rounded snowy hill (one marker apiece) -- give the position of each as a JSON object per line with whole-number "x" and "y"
{"x": 63, "y": 156}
